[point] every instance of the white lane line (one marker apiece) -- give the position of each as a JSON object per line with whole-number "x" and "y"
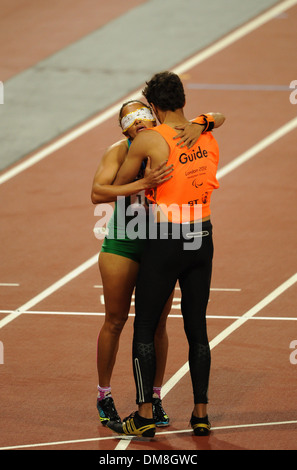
{"x": 161, "y": 433}
{"x": 222, "y": 289}
{"x": 113, "y": 110}
{"x": 50, "y": 290}
{"x": 63, "y": 141}
{"x": 236, "y": 35}
{"x": 168, "y": 386}
{"x": 58, "y": 443}
{"x": 262, "y": 145}
{"x": 171, "y": 315}
{"x": 9, "y": 284}
{"x": 233, "y": 327}
{"x": 217, "y": 289}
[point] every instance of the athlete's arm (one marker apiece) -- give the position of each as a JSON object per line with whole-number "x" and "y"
{"x": 147, "y": 144}
{"x": 104, "y": 189}
{"x": 219, "y": 119}
{"x": 191, "y": 131}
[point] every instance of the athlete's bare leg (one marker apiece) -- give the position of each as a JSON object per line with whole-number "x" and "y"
{"x": 200, "y": 410}
{"x": 118, "y": 276}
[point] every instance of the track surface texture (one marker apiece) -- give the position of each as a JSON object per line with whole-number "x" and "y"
{"x": 52, "y": 304}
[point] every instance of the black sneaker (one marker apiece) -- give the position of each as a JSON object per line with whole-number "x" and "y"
{"x": 107, "y": 411}
{"x": 160, "y": 416}
{"x": 134, "y": 425}
{"x": 201, "y": 426}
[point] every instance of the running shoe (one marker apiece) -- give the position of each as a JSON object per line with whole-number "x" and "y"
{"x": 160, "y": 416}
{"x": 107, "y": 411}
{"x": 201, "y": 426}
{"x": 134, "y": 425}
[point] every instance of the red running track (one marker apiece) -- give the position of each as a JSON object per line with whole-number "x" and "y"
{"x": 48, "y": 379}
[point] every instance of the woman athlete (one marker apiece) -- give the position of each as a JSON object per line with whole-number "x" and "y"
{"x": 120, "y": 257}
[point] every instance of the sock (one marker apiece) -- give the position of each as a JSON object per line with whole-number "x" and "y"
{"x": 157, "y": 392}
{"x": 140, "y": 420}
{"x": 103, "y": 392}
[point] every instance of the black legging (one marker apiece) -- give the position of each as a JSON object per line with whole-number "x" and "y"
{"x": 164, "y": 262}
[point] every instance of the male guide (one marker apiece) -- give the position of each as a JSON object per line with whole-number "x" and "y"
{"x": 137, "y": 227}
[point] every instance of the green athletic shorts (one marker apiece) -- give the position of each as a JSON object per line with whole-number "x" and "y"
{"x": 125, "y": 247}
{"x": 117, "y": 241}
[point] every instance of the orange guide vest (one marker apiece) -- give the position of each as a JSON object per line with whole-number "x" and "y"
{"x": 186, "y": 196}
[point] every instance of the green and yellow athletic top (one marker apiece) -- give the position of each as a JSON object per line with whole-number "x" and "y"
{"x": 125, "y": 234}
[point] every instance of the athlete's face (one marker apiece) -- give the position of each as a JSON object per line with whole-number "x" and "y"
{"x": 139, "y": 124}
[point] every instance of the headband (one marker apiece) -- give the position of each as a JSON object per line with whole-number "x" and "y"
{"x": 143, "y": 114}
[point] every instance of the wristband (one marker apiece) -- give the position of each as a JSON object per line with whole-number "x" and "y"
{"x": 206, "y": 120}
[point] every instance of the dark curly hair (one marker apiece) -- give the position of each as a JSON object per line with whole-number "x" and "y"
{"x": 165, "y": 90}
